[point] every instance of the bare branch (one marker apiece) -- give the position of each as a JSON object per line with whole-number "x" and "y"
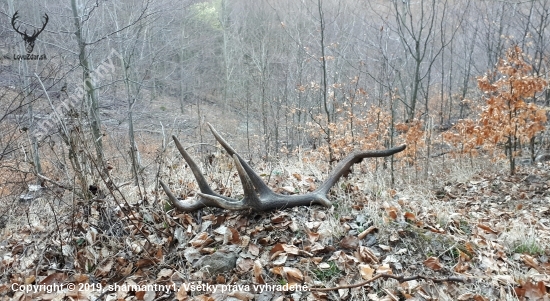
{"x": 396, "y": 277}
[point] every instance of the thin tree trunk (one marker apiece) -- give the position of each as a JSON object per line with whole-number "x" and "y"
{"x": 325, "y": 84}
{"x": 31, "y": 130}
{"x": 89, "y": 86}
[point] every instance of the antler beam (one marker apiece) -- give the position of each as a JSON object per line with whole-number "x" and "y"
{"x": 257, "y": 196}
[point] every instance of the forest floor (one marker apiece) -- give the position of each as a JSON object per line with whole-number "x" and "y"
{"x": 479, "y": 234}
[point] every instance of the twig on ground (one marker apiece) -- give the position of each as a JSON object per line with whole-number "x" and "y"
{"x": 396, "y": 277}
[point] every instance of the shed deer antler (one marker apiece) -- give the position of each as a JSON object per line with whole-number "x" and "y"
{"x": 257, "y": 196}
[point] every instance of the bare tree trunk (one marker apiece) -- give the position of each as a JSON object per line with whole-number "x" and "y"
{"x": 325, "y": 84}
{"x": 134, "y": 154}
{"x": 89, "y": 85}
{"x": 26, "y": 85}
{"x": 392, "y": 128}
{"x": 467, "y": 75}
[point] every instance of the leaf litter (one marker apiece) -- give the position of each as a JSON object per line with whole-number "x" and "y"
{"x": 494, "y": 234}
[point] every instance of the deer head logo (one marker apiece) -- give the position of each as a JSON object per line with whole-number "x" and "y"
{"x": 29, "y": 39}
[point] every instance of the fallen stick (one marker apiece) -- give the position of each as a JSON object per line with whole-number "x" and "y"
{"x": 396, "y": 277}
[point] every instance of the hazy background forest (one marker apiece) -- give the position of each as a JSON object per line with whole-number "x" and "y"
{"x": 307, "y": 80}
{"x": 275, "y": 75}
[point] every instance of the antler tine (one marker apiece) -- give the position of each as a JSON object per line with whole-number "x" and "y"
{"x": 184, "y": 206}
{"x": 344, "y": 167}
{"x": 203, "y": 185}
{"x": 208, "y": 198}
{"x": 258, "y": 183}
{"x": 222, "y": 141}
{"x": 250, "y": 200}
{"x": 250, "y": 197}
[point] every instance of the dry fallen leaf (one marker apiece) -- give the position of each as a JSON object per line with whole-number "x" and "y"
{"x": 312, "y": 236}
{"x": 535, "y": 291}
{"x": 182, "y": 294}
{"x": 461, "y": 267}
{"x": 55, "y": 278}
{"x": 234, "y": 238}
{"x": 292, "y": 275}
{"x": 279, "y": 218}
{"x": 244, "y": 265}
{"x": 487, "y": 228}
{"x": 343, "y": 293}
{"x": 289, "y": 189}
{"x": 465, "y": 297}
{"x": 144, "y": 263}
{"x": 290, "y": 249}
{"x": 280, "y": 259}
{"x": 145, "y": 295}
{"x": 203, "y": 298}
{"x": 276, "y": 250}
{"x": 164, "y": 273}
{"x": 349, "y": 242}
{"x": 392, "y": 212}
{"x": 470, "y": 247}
{"x": 126, "y": 270}
{"x": 384, "y": 247}
{"x": 464, "y": 256}
{"x": 506, "y": 279}
{"x": 367, "y": 255}
{"x": 530, "y": 261}
{"x": 409, "y": 216}
{"x": 364, "y": 234}
{"x": 81, "y": 278}
{"x": 31, "y": 279}
{"x": 366, "y": 271}
{"x": 433, "y": 263}
{"x": 384, "y": 269}
{"x": 243, "y": 296}
{"x": 253, "y": 249}
{"x": 257, "y": 271}
{"x": 201, "y": 240}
